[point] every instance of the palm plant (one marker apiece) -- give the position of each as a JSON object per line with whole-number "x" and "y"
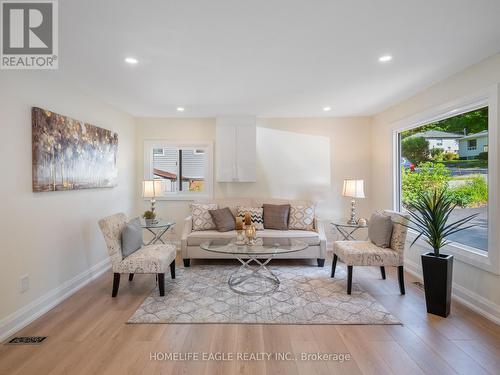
{"x": 429, "y": 217}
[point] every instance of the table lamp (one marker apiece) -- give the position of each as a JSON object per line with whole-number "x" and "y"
{"x": 152, "y": 189}
{"x": 353, "y": 189}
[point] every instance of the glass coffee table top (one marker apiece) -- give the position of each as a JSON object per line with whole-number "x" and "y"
{"x": 260, "y": 254}
{"x": 262, "y": 246}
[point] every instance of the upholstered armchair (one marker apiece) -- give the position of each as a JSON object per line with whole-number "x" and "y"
{"x": 366, "y": 253}
{"x": 151, "y": 259}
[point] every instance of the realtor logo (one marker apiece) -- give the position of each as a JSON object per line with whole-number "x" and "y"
{"x": 29, "y": 35}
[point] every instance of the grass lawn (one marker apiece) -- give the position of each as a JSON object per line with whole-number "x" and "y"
{"x": 476, "y": 163}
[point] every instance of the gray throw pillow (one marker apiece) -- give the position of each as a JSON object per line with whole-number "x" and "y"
{"x": 131, "y": 237}
{"x": 276, "y": 216}
{"x": 223, "y": 219}
{"x": 380, "y": 229}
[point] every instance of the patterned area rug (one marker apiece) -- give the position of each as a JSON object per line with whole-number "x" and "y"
{"x": 306, "y": 295}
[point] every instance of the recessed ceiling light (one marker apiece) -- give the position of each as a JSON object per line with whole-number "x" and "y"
{"x": 326, "y": 109}
{"x": 180, "y": 109}
{"x": 385, "y": 58}
{"x": 131, "y": 60}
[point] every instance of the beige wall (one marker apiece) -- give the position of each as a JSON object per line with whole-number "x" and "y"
{"x": 471, "y": 282}
{"x": 52, "y": 237}
{"x": 296, "y": 158}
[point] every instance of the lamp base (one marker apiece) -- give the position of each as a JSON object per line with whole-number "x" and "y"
{"x": 352, "y": 220}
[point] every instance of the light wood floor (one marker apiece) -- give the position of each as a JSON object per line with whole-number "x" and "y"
{"x": 87, "y": 334}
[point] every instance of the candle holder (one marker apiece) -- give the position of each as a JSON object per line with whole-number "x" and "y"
{"x": 250, "y": 233}
{"x": 240, "y": 237}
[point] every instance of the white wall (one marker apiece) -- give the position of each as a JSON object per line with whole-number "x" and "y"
{"x": 53, "y": 237}
{"x": 297, "y": 158}
{"x": 472, "y": 284}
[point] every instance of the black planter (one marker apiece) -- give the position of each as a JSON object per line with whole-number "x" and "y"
{"x": 438, "y": 271}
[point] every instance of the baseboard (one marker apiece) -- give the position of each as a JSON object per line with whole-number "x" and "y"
{"x": 32, "y": 311}
{"x": 472, "y": 300}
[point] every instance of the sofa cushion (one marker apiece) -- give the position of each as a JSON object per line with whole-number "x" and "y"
{"x": 276, "y": 216}
{"x": 257, "y": 214}
{"x": 311, "y": 238}
{"x": 301, "y": 217}
{"x": 224, "y": 219}
{"x": 202, "y": 220}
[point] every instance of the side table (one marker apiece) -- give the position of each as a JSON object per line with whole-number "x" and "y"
{"x": 158, "y": 229}
{"x": 347, "y": 230}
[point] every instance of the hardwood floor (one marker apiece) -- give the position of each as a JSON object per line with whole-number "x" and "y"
{"x": 87, "y": 334}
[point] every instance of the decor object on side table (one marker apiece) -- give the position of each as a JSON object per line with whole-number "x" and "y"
{"x": 353, "y": 189}
{"x": 152, "y": 189}
{"x": 429, "y": 217}
{"x": 70, "y": 155}
{"x": 149, "y": 217}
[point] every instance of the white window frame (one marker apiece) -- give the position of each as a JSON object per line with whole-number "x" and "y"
{"x": 490, "y": 260}
{"x": 149, "y": 145}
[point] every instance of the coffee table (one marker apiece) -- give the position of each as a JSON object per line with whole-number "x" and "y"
{"x": 261, "y": 253}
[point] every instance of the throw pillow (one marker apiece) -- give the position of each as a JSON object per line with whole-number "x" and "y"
{"x": 202, "y": 220}
{"x": 380, "y": 229}
{"x": 276, "y": 216}
{"x": 255, "y": 212}
{"x": 131, "y": 237}
{"x": 224, "y": 219}
{"x": 301, "y": 218}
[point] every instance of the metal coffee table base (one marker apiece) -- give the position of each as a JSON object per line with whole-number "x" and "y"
{"x": 247, "y": 272}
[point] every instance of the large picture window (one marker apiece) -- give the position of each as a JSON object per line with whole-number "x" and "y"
{"x": 185, "y": 169}
{"x": 450, "y": 154}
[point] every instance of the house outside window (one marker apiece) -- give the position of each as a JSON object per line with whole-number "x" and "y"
{"x": 185, "y": 168}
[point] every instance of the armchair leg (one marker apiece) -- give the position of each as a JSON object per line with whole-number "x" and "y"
{"x": 349, "y": 279}
{"x": 172, "y": 269}
{"x": 334, "y": 264}
{"x": 116, "y": 284}
{"x": 161, "y": 284}
{"x": 382, "y": 271}
{"x": 187, "y": 262}
{"x": 321, "y": 262}
{"x": 401, "y": 279}
{"x": 131, "y": 277}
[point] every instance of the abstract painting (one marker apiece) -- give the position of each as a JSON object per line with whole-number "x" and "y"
{"x": 69, "y": 154}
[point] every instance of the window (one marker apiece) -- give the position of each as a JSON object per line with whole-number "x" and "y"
{"x": 185, "y": 169}
{"x": 439, "y": 142}
{"x": 464, "y": 174}
{"x": 472, "y": 144}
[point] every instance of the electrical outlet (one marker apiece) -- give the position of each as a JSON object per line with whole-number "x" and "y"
{"x": 24, "y": 285}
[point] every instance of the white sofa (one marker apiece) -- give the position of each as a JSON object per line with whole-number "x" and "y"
{"x": 191, "y": 240}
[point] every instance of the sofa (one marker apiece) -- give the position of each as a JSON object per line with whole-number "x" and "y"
{"x": 191, "y": 240}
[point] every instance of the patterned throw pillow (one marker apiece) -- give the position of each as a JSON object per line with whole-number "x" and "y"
{"x": 255, "y": 212}
{"x": 202, "y": 220}
{"x": 301, "y": 218}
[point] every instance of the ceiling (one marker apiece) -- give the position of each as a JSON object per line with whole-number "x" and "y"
{"x": 269, "y": 57}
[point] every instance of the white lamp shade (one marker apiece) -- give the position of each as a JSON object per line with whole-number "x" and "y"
{"x": 353, "y": 189}
{"x": 151, "y": 189}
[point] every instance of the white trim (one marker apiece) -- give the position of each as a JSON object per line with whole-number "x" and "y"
{"x": 149, "y": 145}
{"x": 32, "y": 311}
{"x": 490, "y": 260}
{"x": 466, "y": 297}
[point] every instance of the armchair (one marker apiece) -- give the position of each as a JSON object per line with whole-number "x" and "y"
{"x": 151, "y": 259}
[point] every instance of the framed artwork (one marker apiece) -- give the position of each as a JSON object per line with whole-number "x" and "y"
{"x": 69, "y": 154}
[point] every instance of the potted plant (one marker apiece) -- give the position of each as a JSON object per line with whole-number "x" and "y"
{"x": 429, "y": 217}
{"x": 149, "y": 217}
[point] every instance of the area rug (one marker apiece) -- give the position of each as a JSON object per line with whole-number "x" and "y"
{"x": 307, "y": 295}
